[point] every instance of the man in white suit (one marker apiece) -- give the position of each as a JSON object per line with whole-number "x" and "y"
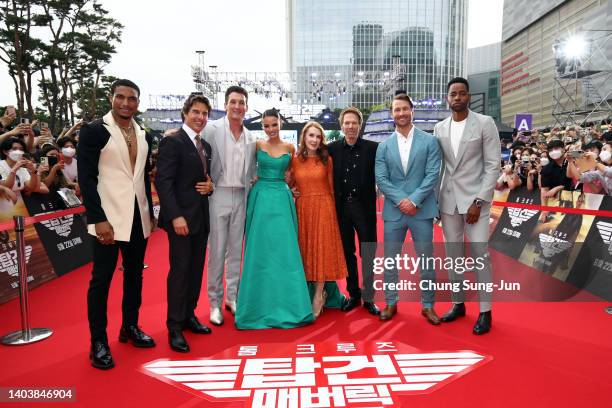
{"x": 232, "y": 169}
{"x": 472, "y": 155}
{"x": 113, "y": 169}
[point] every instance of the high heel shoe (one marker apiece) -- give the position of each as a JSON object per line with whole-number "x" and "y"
{"x": 317, "y": 311}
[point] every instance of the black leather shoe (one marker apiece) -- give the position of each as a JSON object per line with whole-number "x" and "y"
{"x": 371, "y": 308}
{"x": 136, "y": 336}
{"x": 100, "y": 356}
{"x": 194, "y": 325}
{"x": 350, "y": 304}
{"x": 177, "y": 341}
{"x": 458, "y": 310}
{"x": 483, "y": 324}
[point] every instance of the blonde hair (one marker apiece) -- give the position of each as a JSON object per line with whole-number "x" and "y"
{"x": 322, "y": 152}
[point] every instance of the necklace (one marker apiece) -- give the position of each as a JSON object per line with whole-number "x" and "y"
{"x": 127, "y": 135}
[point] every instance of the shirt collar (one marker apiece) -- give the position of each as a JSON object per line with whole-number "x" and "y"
{"x": 190, "y": 132}
{"x": 406, "y": 137}
{"x": 356, "y": 145}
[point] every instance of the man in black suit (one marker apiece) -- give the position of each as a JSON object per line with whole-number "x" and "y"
{"x": 183, "y": 185}
{"x": 355, "y": 192}
{"x": 113, "y": 169}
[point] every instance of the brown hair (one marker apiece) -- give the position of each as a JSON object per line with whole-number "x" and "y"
{"x": 322, "y": 152}
{"x": 193, "y": 99}
{"x": 403, "y": 97}
{"x": 354, "y": 111}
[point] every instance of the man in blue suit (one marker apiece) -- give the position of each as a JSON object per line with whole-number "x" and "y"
{"x": 407, "y": 170}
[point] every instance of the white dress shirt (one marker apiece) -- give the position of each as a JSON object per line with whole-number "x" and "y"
{"x": 456, "y": 133}
{"x": 404, "y": 143}
{"x": 191, "y": 133}
{"x": 233, "y": 176}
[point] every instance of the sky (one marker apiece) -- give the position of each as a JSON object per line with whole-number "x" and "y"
{"x": 159, "y": 43}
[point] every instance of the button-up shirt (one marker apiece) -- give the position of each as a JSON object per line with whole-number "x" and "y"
{"x": 404, "y": 143}
{"x": 233, "y": 176}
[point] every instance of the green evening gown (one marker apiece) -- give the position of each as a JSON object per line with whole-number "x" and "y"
{"x": 273, "y": 290}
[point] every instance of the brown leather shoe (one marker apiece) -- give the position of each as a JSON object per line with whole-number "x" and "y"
{"x": 388, "y": 312}
{"x": 431, "y": 316}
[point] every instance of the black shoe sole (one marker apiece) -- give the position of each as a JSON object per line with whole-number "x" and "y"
{"x": 178, "y": 350}
{"x": 127, "y": 340}
{"x": 480, "y": 333}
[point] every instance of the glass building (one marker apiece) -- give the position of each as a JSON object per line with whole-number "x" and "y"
{"x": 346, "y": 52}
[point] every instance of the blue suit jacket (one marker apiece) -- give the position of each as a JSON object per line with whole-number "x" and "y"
{"x": 417, "y": 184}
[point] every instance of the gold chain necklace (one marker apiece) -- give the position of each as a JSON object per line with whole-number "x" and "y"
{"x": 127, "y": 135}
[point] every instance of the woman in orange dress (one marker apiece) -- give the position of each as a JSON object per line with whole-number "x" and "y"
{"x": 318, "y": 231}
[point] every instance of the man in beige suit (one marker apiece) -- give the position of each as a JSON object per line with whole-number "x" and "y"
{"x": 472, "y": 156}
{"x": 113, "y": 169}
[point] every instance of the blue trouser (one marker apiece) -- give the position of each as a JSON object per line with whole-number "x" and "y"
{"x": 422, "y": 236}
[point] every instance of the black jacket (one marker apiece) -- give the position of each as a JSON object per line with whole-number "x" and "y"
{"x": 179, "y": 168}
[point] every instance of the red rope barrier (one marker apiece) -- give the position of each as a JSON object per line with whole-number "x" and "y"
{"x": 8, "y": 225}
{"x": 582, "y": 211}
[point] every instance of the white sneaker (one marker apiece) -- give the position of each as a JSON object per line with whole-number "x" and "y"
{"x": 230, "y": 306}
{"x": 216, "y": 317}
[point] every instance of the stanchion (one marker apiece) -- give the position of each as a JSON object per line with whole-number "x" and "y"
{"x": 26, "y": 335}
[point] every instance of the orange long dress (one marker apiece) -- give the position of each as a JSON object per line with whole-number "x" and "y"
{"x": 318, "y": 230}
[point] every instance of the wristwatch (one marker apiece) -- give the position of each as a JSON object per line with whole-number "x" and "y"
{"x": 478, "y": 202}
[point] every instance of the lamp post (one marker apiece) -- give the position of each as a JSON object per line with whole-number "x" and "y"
{"x": 215, "y": 86}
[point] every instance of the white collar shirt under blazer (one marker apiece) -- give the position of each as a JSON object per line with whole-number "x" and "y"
{"x": 216, "y": 133}
{"x": 118, "y": 184}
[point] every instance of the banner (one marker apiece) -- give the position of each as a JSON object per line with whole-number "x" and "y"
{"x": 65, "y": 238}
{"x": 38, "y": 264}
{"x": 516, "y": 224}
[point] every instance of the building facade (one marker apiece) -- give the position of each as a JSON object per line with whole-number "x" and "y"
{"x": 344, "y": 52}
{"x": 483, "y": 67}
{"x": 537, "y": 79}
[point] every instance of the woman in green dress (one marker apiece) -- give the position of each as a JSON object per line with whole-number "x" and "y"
{"x": 273, "y": 290}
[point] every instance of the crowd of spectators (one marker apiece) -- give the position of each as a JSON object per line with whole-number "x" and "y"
{"x": 33, "y": 159}
{"x": 551, "y": 161}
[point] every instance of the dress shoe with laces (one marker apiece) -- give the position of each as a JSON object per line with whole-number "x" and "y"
{"x": 230, "y": 306}
{"x": 193, "y": 324}
{"x": 371, "y": 308}
{"x": 388, "y": 312}
{"x": 430, "y": 315}
{"x": 177, "y": 341}
{"x": 136, "y": 336}
{"x": 216, "y": 317}
{"x": 350, "y": 304}
{"x": 458, "y": 310}
{"x": 100, "y": 356}
{"x": 483, "y": 324}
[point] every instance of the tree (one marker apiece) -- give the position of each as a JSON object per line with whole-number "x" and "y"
{"x": 101, "y": 105}
{"x": 75, "y": 41}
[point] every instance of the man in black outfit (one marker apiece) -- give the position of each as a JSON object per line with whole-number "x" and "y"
{"x": 113, "y": 169}
{"x": 355, "y": 192}
{"x": 183, "y": 186}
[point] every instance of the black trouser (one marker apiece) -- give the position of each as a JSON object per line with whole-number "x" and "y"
{"x": 104, "y": 264}
{"x": 187, "y": 256}
{"x": 353, "y": 219}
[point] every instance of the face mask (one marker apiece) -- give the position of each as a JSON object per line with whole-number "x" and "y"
{"x": 15, "y": 155}
{"x": 605, "y": 156}
{"x": 544, "y": 161}
{"x": 68, "y": 151}
{"x": 556, "y": 154}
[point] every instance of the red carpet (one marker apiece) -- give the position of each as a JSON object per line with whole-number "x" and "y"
{"x": 543, "y": 354}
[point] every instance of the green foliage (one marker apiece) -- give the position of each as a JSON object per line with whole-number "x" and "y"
{"x": 64, "y": 46}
